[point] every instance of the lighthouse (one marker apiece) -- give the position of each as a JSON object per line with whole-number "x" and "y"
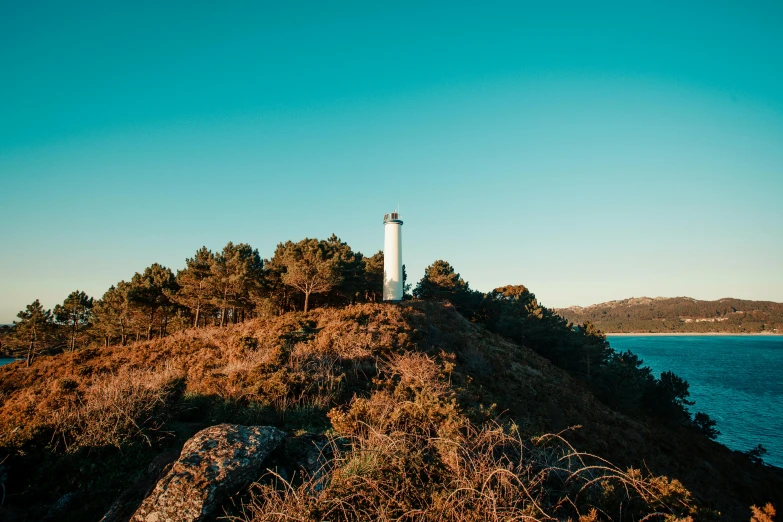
{"x": 392, "y": 257}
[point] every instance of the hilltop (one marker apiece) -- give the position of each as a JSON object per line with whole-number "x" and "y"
{"x": 418, "y": 375}
{"x": 451, "y": 405}
{"x": 680, "y": 315}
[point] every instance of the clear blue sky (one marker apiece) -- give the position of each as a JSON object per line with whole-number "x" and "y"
{"x": 591, "y": 151}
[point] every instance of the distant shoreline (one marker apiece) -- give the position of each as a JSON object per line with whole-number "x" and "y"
{"x": 683, "y": 334}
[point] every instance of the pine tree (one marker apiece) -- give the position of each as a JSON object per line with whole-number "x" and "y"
{"x": 277, "y": 296}
{"x": 113, "y": 314}
{"x": 440, "y": 281}
{"x": 236, "y": 275}
{"x": 75, "y": 314}
{"x": 350, "y": 267}
{"x": 150, "y": 292}
{"x": 34, "y": 330}
{"x": 373, "y": 277}
{"x": 593, "y": 348}
{"x": 194, "y": 283}
{"x": 308, "y": 267}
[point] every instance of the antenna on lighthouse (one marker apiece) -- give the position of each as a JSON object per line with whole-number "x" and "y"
{"x": 392, "y": 257}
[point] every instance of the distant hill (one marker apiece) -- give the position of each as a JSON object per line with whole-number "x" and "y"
{"x": 680, "y": 315}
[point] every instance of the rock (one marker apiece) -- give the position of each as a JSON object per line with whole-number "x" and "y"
{"x": 59, "y": 507}
{"x": 128, "y": 501}
{"x": 214, "y": 463}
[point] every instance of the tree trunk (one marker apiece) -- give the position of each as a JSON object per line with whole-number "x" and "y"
{"x": 307, "y": 300}
{"x": 223, "y": 308}
{"x": 31, "y": 348}
{"x": 198, "y": 311}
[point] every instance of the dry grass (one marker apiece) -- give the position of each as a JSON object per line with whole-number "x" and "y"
{"x": 493, "y": 477}
{"x": 410, "y": 392}
{"x": 279, "y": 363}
{"x": 118, "y": 409}
{"x": 407, "y": 453}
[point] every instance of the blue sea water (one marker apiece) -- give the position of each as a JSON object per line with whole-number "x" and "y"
{"x": 736, "y": 380}
{"x": 5, "y": 360}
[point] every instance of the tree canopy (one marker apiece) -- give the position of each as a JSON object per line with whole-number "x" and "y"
{"x": 75, "y": 314}
{"x": 310, "y": 267}
{"x": 34, "y": 332}
{"x": 440, "y": 281}
{"x": 233, "y": 284}
{"x": 620, "y": 379}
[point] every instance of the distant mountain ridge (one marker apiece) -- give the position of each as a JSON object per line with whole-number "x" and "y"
{"x": 680, "y": 315}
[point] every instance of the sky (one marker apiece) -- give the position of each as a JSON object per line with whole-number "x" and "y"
{"x": 590, "y": 150}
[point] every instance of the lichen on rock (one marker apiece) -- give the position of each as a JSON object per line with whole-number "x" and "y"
{"x": 213, "y": 464}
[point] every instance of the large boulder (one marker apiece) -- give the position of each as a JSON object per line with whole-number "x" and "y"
{"x": 214, "y": 463}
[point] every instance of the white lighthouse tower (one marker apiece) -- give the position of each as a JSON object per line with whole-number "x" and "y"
{"x": 392, "y": 257}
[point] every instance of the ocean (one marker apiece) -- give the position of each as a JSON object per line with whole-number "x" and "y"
{"x": 736, "y": 380}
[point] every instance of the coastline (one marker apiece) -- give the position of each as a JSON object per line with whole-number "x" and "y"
{"x": 687, "y": 334}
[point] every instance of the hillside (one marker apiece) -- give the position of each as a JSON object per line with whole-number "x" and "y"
{"x": 89, "y": 432}
{"x": 680, "y": 315}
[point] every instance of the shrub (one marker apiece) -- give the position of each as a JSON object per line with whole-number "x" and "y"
{"x": 705, "y": 425}
{"x": 765, "y": 514}
{"x": 756, "y": 454}
{"x": 130, "y": 405}
{"x": 407, "y": 453}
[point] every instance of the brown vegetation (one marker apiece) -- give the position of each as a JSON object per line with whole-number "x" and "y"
{"x": 410, "y": 454}
{"x": 426, "y": 412}
{"x": 116, "y": 409}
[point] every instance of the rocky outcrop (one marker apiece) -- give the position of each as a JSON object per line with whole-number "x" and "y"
{"x": 213, "y": 464}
